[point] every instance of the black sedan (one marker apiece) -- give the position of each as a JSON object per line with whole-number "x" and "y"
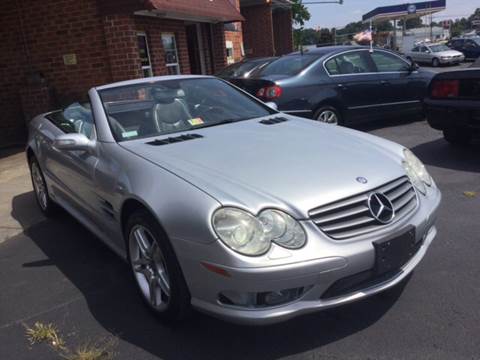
{"x": 470, "y": 47}
{"x": 341, "y": 84}
{"x": 244, "y": 68}
{"x": 453, "y": 105}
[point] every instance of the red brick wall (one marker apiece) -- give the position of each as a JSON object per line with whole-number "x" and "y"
{"x": 154, "y": 28}
{"x": 258, "y": 31}
{"x": 236, "y": 38}
{"x": 12, "y": 60}
{"x": 122, "y": 47}
{"x": 282, "y": 31}
{"x": 50, "y": 29}
{"x": 219, "y": 49}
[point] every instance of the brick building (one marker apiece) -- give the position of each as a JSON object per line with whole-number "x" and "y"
{"x": 53, "y": 51}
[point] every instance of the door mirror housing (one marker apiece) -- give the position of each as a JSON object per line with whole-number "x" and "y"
{"x": 272, "y": 105}
{"x": 413, "y": 66}
{"x": 73, "y": 141}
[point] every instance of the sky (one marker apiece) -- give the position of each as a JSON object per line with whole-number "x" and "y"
{"x": 333, "y": 15}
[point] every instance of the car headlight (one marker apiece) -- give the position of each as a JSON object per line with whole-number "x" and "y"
{"x": 416, "y": 171}
{"x": 250, "y": 235}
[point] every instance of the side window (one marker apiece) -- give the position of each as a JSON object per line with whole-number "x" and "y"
{"x": 386, "y": 62}
{"x": 332, "y": 67}
{"x": 75, "y": 118}
{"x": 470, "y": 44}
{"x": 423, "y": 49}
{"x": 415, "y": 49}
{"x": 349, "y": 63}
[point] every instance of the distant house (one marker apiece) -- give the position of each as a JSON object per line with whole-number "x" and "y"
{"x": 55, "y": 50}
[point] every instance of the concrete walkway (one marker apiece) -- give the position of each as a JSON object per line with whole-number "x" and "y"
{"x": 15, "y": 180}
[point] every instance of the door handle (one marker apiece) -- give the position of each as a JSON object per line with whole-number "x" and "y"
{"x": 384, "y": 82}
{"x": 342, "y": 87}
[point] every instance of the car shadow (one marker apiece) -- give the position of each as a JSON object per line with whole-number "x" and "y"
{"x": 105, "y": 282}
{"x": 441, "y": 154}
{"x": 385, "y": 123}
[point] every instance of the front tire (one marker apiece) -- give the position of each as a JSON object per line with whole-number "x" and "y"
{"x": 328, "y": 115}
{"x": 457, "y": 136}
{"x": 47, "y": 206}
{"x": 155, "y": 268}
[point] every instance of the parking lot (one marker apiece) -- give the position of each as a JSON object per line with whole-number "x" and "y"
{"x": 55, "y": 271}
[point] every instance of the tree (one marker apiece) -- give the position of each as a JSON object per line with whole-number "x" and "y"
{"x": 412, "y": 23}
{"x": 300, "y": 13}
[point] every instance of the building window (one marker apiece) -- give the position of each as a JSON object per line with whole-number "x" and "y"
{"x": 230, "y": 56}
{"x": 144, "y": 54}
{"x": 171, "y": 54}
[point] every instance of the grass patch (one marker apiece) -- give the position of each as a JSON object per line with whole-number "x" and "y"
{"x": 49, "y": 334}
{"x": 45, "y": 333}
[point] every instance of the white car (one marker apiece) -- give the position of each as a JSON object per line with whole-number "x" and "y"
{"x": 435, "y": 54}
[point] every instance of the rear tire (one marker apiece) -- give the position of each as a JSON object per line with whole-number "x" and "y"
{"x": 155, "y": 268}
{"x": 328, "y": 115}
{"x": 45, "y": 203}
{"x": 435, "y": 62}
{"x": 457, "y": 136}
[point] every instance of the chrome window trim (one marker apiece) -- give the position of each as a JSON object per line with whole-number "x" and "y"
{"x": 365, "y": 73}
{"x": 385, "y": 104}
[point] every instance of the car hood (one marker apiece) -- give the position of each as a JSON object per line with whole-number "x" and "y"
{"x": 294, "y": 165}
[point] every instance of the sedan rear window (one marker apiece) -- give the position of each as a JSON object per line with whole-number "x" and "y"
{"x": 288, "y": 65}
{"x": 239, "y": 69}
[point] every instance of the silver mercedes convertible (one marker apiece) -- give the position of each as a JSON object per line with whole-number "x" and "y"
{"x": 221, "y": 203}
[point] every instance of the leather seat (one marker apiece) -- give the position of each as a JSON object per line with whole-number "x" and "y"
{"x": 170, "y": 113}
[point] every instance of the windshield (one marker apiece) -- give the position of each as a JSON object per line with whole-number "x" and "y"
{"x": 288, "y": 65}
{"x": 240, "y": 69}
{"x": 438, "y": 48}
{"x": 477, "y": 40}
{"x": 171, "y": 106}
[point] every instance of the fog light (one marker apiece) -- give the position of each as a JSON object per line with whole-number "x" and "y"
{"x": 262, "y": 299}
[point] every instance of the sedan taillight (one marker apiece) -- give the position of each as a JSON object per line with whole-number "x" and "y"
{"x": 270, "y": 92}
{"x": 445, "y": 88}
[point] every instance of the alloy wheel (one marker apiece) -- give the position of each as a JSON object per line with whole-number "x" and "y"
{"x": 149, "y": 267}
{"x": 329, "y": 117}
{"x": 39, "y": 186}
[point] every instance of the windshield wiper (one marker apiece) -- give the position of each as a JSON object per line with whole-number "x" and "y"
{"x": 227, "y": 121}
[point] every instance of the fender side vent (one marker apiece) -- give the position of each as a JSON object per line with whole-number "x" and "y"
{"x": 175, "y": 139}
{"x": 273, "y": 121}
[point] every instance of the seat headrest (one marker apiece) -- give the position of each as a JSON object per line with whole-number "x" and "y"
{"x": 164, "y": 95}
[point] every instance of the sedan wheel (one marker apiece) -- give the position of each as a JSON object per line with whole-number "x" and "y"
{"x": 328, "y": 116}
{"x": 149, "y": 267}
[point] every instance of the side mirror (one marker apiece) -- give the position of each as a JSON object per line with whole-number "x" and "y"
{"x": 413, "y": 66}
{"x": 73, "y": 141}
{"x": 272, "y": 105}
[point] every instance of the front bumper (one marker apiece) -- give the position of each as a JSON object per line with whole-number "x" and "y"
{"x": 331, "y": 261}
{"x": 452, "y": 60}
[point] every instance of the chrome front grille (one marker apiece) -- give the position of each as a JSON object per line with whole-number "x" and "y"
{"x": 351, "y": 217}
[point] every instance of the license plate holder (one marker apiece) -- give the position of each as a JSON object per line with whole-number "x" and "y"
{"x": 391, "y": 254}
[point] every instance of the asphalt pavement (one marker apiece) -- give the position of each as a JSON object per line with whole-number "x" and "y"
{"x": 55, "y": 271}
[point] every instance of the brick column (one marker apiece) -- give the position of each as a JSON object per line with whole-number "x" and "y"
{"x": 122, "y": 47}
{"x": 219, "y": 48}
{"x": 282, "y": 31}
{"x": 258, "y": 31}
